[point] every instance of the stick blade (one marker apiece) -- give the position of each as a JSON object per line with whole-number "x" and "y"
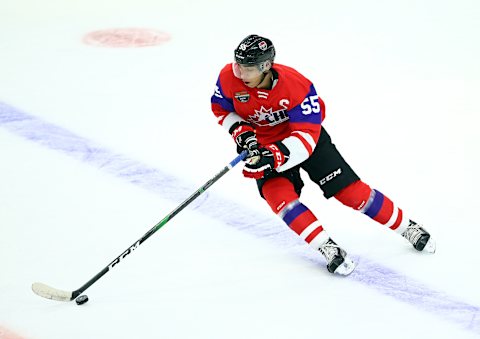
{"x": 50, "y": 292}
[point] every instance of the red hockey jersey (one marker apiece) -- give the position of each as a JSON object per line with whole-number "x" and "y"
{"x": 290, "y": 112}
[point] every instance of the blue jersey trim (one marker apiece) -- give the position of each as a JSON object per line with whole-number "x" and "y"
{"x": 221, "y": 99}
{"x": 309, "y": 110}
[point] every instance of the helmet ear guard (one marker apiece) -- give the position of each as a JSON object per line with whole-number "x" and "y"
{"x": 265, "y": 66}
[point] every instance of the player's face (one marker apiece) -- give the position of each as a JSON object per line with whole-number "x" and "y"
{"x": 250, "y": 75}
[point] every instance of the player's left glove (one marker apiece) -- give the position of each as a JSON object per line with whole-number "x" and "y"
{"x": 265, "y": 159}
{"x": 244, "y": 135}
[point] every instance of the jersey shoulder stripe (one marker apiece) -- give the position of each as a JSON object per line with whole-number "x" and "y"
{"x": 221, "y": 99}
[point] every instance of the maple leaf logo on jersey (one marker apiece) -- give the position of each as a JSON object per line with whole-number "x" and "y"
{"x": 268, "y": 117}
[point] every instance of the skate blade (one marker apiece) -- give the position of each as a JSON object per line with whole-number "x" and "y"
{"x": 430, "y": 246}
{"x": 346, "y": 267}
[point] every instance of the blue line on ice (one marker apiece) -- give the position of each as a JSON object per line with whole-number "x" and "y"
{"x": 369, "y": 273}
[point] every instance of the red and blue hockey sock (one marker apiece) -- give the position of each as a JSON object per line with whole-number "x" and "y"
{"x": 303, "y": 222}
{"x": 282, "y": 198}
{"x": 374, "y": 204}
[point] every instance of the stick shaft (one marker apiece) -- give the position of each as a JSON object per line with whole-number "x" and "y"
{"x": 160, "y": 224}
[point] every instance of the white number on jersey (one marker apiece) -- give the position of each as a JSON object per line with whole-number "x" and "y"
{"x": 217, "y": 93}
{"x": 310, "y": 105}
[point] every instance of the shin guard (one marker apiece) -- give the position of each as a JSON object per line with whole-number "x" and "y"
{"x": 373, "y": 203}
{"x": 283, "y": 200}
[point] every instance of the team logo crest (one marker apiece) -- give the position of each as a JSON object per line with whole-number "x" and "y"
{"x": 242, "y": 96}
{"x": 262, "y": 45}
{"x": 268, "y": 117}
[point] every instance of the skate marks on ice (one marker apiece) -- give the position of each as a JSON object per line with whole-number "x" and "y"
{"x": 405, "y": 289}
{"x": 66, "y": 142}
{"x": 369, "y": 273}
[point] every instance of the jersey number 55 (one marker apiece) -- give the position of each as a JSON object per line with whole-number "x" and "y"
{"x": 310, "y": 105}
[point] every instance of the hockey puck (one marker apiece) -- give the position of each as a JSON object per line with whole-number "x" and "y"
{"x": 81, "y": 299}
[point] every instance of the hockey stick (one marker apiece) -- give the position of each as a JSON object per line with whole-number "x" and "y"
{"x": 61, "y": 295}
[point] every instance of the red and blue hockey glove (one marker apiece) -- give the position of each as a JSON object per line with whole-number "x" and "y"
{"x": 265, "y": 159}
{"x": 244, "y": 135}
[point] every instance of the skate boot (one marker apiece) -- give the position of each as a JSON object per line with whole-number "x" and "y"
{"x": 419, "y": 238}
{"x": 337, "y": 260}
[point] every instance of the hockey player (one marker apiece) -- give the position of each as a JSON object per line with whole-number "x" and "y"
{"x": 275, "y": 113}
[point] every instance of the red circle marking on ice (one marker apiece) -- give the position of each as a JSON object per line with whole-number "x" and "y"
{"x": 7, "y": 334}
{"x": 126, "y": 37}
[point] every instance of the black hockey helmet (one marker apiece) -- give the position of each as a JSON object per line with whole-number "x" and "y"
{"x": 254, "y": 50}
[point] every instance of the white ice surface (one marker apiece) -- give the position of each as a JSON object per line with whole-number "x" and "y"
{"x": 401, "y": 82}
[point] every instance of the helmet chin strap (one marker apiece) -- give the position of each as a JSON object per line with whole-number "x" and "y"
{"x": 265, "y": 68}
{"x": 263, "y": 78}
{"x": 264, "y": 75}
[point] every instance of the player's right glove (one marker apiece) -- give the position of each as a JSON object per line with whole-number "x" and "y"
{"x": 244, "y": 135}
{"x": 265, "y": 159}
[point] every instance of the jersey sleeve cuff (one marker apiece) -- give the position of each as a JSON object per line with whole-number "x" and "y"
{"x": 298, "y": 153}
{"x": 231, "y": 119}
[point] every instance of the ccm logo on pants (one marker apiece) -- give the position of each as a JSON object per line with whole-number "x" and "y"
{"x": 330, "y": 176}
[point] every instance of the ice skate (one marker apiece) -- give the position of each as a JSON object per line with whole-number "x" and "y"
{"x": 337, "y": 260}
{"x": 419, "y": 238}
